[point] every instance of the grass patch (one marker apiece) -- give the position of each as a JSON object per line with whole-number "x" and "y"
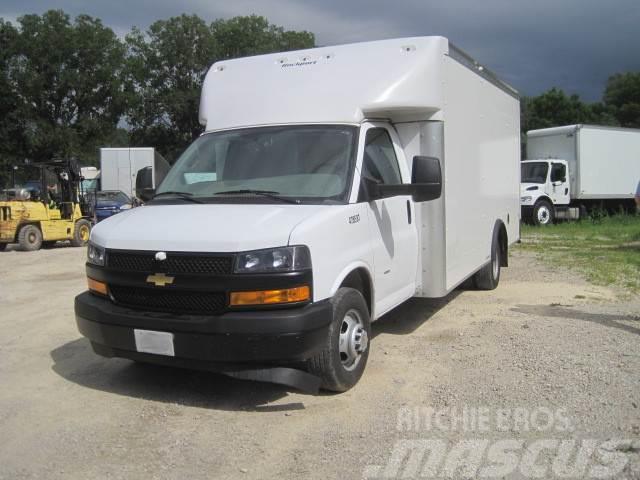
{"x": 606, "y": 250}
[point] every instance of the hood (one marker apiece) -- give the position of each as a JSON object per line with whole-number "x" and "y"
{"x": 202, "y": 228}
{"x": 108, "y": 204}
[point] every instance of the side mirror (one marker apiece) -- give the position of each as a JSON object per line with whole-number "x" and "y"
{"x": 426, "y": 182}
{"x": 144, "y": 184}
{"x": 426, "y": 179}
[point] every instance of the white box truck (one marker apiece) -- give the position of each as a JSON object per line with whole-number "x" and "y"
{"x": 574, "y": 168}
{"x": 119, "y": 167}
{"x": 330, "y": 186}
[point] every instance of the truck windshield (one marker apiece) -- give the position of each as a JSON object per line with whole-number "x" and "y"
{"x": 311, "y": 164}
{"x": 534, "y": 172}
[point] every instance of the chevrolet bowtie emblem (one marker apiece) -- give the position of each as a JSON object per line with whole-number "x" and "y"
{"x": 160, "y": 279}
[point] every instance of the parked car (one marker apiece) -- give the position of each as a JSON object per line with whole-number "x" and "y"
{"x": 110, "y": 202}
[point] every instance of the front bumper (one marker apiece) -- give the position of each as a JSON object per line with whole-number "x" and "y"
{"x": 262, "y": 337}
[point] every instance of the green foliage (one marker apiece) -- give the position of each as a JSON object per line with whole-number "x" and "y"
{"x": 555, "y": 108}
{"x": 605, "y": 248}
{"x": 166, "y": 67}
{"x": 66, "y": 80}
{"x": 252, "y": 35}
{"x": 622, "y": 96}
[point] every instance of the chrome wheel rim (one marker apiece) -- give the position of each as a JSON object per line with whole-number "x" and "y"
{"x": 543, "y": 215}
{"x": 353, "y": 340}
{"x": 496, "y": 264}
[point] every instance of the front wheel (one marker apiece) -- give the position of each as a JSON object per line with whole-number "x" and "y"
{"x": 344, "y": 356}
{"x": 81, "y": 233}
{"x": 543, "y": 213}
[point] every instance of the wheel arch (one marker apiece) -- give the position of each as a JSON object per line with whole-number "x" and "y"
{"x": 544, "y": 198}
{"x": 357, "y": 276}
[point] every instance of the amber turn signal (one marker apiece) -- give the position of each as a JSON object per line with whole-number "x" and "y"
{"x": 270, "y": 297}
{"x": 96, "y": 286}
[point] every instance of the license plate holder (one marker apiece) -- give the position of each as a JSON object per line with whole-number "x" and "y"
{"x": 158, "y": 343}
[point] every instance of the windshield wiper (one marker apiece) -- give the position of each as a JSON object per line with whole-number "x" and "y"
{"x": 181, "y": 195}
{"x": 264, "y": 193}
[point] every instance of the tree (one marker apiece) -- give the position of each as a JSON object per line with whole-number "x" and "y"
{"x": 165, "y": 71}
{"x": 252, "y": 35}
{"x": 553, "y": 109}
{"x": 67, "y": 78}
{"x": 622, "y": 95}
{"x": 11, "y": 127}
{"x": 166, "y": 68}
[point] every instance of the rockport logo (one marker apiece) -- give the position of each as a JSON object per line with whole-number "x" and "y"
{"x": 299, "y": 64}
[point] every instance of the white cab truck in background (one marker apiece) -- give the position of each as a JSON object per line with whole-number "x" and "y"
{"x": 330, "y": 186}
{"x": 119, "y": 167}
{"x": 574, "y": 168}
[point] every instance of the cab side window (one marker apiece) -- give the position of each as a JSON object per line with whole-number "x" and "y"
{"x": 379, "y": 162}
{"x": 558, "y": 172}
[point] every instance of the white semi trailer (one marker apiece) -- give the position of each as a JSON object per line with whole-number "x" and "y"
{"x": 330, "y": 186}
{"x": 577, "y": 167}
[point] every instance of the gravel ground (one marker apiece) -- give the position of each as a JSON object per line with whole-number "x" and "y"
{"x": 546, "y": 362}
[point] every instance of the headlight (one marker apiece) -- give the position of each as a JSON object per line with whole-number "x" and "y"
{"x": 283, "y": 259}
{"x": 126, "y": 206}
{"x": 95, "y": 255}
{"x": 526, "y": 199}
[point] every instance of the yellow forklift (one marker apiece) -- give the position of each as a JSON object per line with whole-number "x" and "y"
{"x": 44, "y": 211}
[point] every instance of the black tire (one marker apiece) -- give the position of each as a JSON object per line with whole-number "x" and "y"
{"x": 3, "y": 247}
{"x": 488, "y": 277}
{"x": 81, "y": 233}
{"x": 543, "y": 213}
{"x": 30, "y": 238}
{"x": 338, "y": 367}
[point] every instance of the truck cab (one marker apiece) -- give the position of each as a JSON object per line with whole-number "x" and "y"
{"x": 544, "y": 190}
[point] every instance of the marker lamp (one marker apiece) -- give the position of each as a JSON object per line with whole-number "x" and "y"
{"x": 270, "y": 297}
{"x": 96, "y": 286}
{"x": 283, "y": 259}
{"x": 526, "y": 199}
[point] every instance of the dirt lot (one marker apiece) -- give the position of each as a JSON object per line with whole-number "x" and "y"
{"x": 544, "y": 343}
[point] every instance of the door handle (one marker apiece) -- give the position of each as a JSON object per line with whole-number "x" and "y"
{"x": 409, "y": 212}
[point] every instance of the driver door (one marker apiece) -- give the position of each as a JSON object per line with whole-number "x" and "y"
{"x": 393, "y": 233}
{"x": 559, "y": 184}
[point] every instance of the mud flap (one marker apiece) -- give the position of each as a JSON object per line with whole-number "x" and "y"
{"x": 289, "y": 377}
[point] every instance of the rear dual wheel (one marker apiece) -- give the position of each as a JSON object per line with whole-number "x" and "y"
{"x": 488, "y": 277}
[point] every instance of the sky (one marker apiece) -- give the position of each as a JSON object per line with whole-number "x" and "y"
{"x": 534, "y": 45}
